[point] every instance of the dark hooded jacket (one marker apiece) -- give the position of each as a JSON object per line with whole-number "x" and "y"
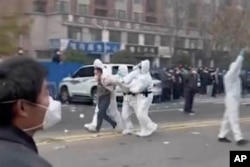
{"x": 18, "y": 149}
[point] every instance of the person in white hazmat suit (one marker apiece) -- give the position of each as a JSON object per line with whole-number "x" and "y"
{"x": 141, "y": 86}
{"x": 232, "y": 84}
{"x": 110, "y": 82}
{"x": 129, "y": 99}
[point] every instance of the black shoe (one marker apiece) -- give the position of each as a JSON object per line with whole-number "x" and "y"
{"x": 224, "y": 140}
{"x": 242, "y": 142}
{"x": 114, "y": 125}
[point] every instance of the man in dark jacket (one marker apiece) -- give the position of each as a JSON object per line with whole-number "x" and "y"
{"x": 190, "y": 88}
{"x": 24, "y": 109}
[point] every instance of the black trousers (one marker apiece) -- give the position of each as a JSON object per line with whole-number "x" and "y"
{"x": 214, "y": 91}
{"x": 103, "y": 105}
{"x": 189, "y": 100}
{"x": 203, "y": 89}
{"x": 166, "y": 94}
{"x": 176, "y": 92}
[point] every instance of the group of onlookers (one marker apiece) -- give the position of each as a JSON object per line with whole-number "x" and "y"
{"x": 209, "y": 82}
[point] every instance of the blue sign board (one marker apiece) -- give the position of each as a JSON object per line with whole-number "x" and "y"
{"x": 87, "y": 47}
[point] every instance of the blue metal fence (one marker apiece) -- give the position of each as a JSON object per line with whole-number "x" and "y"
{"x": 53, "y": 90}
{"x": 56, "y": 72}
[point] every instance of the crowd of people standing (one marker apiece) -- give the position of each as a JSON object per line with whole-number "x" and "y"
{"x": 209, "y": 82}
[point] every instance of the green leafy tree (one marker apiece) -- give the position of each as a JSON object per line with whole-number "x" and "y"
{"x": 77, "y": 56}
{"x": 12, "y": 26}
{"x": 124, "y": 57}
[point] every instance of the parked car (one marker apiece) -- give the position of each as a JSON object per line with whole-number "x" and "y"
{"x": 81, "y": 86}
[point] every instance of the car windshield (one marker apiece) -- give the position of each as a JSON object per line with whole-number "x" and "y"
{"x": 115, "y": 69}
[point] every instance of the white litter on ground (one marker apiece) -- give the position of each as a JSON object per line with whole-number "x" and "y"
{"x": 166, "y": 142}
{"x": 66, "y": 131}
{"x": 195, "y": 133}
{"x": 81, "y": 115}
{"x": 60, "y": 147}
{"x": 73, "y": 109}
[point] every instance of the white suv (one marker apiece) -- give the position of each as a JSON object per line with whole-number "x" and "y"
{"x": 82, "y": 86}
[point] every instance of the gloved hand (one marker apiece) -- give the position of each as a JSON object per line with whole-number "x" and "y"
{"x": 242, "y": 52}
{"x": 137, "y": 66}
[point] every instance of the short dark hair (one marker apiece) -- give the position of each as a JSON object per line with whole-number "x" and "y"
{"x": 98, "y": 70}
{"x": 20, "y": 78}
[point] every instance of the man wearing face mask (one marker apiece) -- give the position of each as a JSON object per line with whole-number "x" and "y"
{"x": 232, "y": 83}
{"x": 106, "y": 100}
{"x": 25, "y": 108}
{"x": 190, "y": 88}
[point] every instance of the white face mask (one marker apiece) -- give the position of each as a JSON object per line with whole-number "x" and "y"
{"x": 52, "y": 116}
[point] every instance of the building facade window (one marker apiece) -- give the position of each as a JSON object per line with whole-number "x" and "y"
{"x": 115, "y": 36}
{"x": 180, "y": 42}
{"x": 40, "y": 6}
{"x": 120, "y": 14}
{"x": 165, "y": 40}
{"x": 74, "y": 33}
{"x": 62, "y": 6}
{"x": 151, "y": 6}
{"x": 149, "y": 39}
{"x": 101, "y": 2}
{"x": 137, "y": 17}
{"x": 151, "y": 19}
{"x": 133, "y": 38}
{"x": 193, "y": 43}
{"x": 83, "y": 9}
{"x": 137, "y": 1}
{"x": 101, "y": 12}
{"x": 96, "y": 34}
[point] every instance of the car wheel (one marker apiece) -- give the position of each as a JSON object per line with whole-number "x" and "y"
{"x": 64, "y": 95}
{"x": 94, "y": 96}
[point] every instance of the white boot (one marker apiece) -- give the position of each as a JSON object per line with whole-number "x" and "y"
{"x": 127, "y": 132}
{"x": 151, "y": 129}
{"x": 90, "y": 127}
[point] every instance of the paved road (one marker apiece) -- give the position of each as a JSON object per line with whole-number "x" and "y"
{"x": 161, "y": 113}
{"x": 177, "y": 147}
{"x": 181, "y": 141}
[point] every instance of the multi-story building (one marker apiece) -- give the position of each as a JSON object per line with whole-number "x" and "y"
{"x": 146, "y": 27}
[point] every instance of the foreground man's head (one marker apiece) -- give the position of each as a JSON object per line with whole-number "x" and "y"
{"x": 24, "y": 95}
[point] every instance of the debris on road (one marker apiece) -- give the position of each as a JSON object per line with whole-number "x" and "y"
{"x": 195, "y": 133}
{"x": 66, "y": 131}
{"x": 60, "y": 147}
{"x": 73, "y": 109}
{"x": 166, "y": 142}
{"x": 81, "y": 115}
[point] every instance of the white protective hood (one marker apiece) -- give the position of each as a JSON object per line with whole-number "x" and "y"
{"x": 145, "y": 66}
{"x": 98, "y": 64}
{"x": 144, "y": 80}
